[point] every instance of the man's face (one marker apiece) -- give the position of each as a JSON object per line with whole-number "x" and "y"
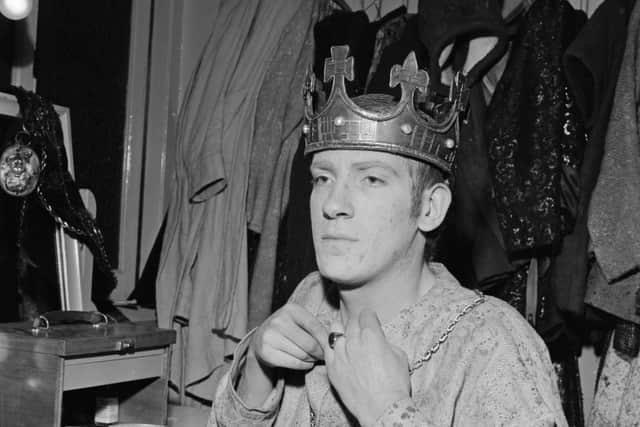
{"x": 361, "y": 215}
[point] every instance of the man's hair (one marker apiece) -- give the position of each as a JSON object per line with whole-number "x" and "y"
{"x": 423, "y": 175}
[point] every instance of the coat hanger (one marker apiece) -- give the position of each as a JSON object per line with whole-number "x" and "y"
{"x": 342, "y": 4}
{"x": 377, "y": 4}
{"x": 584, "y": 5}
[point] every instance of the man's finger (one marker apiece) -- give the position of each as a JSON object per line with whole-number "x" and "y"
{"x": 301, "y": 338}
{"x": 280, "y": 359}
{"x": 309, "y": 323}
{"x": 285, "y": 344}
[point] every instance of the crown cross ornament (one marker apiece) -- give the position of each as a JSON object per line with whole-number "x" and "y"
{"x": 339, "y": 65}
{"x": 345, "y": 123}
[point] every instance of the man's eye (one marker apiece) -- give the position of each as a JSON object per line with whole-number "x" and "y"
{"x": 373, "y": 180}
{"x": 319, "y": 180}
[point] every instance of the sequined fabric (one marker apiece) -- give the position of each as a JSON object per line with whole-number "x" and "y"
{"x": 534, "y": 135}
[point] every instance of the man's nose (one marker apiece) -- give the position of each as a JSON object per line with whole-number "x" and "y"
{"x": 338, "y": 202}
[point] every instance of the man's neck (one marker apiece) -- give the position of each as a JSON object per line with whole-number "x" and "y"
{"x": 389, "y": 294}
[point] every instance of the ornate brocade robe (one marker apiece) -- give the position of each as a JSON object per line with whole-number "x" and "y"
{"x": 492, "y": 370}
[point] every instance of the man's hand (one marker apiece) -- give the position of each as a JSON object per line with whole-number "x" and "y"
{"x": 290, "y": 338}
{"x": 368, "y": 372}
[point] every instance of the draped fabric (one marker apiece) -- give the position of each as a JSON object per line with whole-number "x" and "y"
{"x": 592, "y": 63}
{"x": 279, "y": 117}
{"x": 203, "y": 277}
{"x": 614, "y": 212}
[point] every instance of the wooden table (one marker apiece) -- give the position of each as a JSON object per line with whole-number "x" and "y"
{"x": 52, "y": 377}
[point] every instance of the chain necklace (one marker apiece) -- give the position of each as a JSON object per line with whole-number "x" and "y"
{"x": 434, "y": 348}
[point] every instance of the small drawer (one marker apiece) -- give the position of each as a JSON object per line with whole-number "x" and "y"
{"x": 93, "y": 371}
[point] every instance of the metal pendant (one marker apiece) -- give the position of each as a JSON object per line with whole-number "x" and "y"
{"x": 19, "y": 170}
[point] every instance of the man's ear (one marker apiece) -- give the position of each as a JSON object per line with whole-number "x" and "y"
{"x": 435, "y": 204}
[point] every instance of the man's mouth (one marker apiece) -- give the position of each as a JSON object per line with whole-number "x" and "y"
{"x": 338, "y": 237}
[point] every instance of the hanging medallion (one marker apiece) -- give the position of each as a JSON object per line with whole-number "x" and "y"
{"x": 19, "y": 169}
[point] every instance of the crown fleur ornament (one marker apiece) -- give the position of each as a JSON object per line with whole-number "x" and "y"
{"x": 404, "y": 130}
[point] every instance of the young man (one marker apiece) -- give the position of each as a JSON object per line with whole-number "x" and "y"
{"x": 378, "y": 336}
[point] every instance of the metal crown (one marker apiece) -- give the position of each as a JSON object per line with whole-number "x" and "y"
{"x": 343, "y": 124}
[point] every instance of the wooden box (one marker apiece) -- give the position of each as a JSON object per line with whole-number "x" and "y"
{"x": 47, "y": 375}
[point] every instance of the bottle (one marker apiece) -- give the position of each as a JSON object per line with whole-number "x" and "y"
{"x": 107, "y": 405}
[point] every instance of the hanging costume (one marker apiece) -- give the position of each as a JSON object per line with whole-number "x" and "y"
{"x": 534, "y": 140}
{"x": 396, "y": 40}
{"x": 615, "y": 232}
{"x": 592, "y": 63}
{"x": 614, "y": 222}
{"x": 514, "y": 200}
{"x": 277, "y": 132}
{"x": 203, "y": 274}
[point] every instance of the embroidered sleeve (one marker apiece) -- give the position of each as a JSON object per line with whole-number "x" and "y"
{"x": 229, "y": 409}
{"x": 509, "y": 392}
{"x": 509, "y": 380}
{"x": 403, "y": 413}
